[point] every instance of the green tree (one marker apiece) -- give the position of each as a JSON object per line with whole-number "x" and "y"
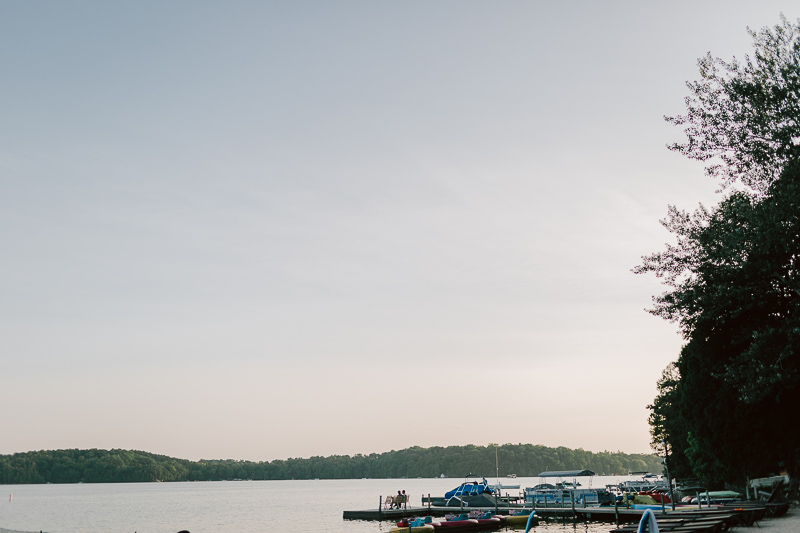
{"x": 743, "y": 116}
{"x": 732, "y": 278}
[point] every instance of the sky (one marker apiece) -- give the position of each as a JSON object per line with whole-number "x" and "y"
{"x": 261, "y": 230}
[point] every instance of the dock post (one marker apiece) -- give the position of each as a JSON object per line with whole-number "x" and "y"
{"x": 572, "y": 501}
{"x": 429, "y": 501}
{"x": 380, "y": 507}
{"x": 616, "y": 511}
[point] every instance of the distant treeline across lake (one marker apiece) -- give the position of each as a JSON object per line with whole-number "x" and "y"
{"x": 110, "y": 466}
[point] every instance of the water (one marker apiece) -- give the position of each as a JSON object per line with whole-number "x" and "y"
{"x": 228, "y": 507}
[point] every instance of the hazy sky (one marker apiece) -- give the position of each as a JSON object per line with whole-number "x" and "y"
{"x": 260, "y": 230}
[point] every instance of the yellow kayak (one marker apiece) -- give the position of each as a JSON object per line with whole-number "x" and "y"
{"x": 521, "y": 520}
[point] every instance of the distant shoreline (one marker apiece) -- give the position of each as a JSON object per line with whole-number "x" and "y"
{"x": 131, "y": 466}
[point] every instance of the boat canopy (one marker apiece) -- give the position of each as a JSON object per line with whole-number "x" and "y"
{"x": 567, "y": 473}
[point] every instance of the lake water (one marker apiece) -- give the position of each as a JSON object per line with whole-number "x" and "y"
{"x": 228, "y": 507}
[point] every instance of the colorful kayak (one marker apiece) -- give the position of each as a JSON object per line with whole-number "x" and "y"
{"x": 521, "y": 519}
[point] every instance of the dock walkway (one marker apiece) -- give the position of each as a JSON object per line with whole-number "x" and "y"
{"x": 698, "y": 520}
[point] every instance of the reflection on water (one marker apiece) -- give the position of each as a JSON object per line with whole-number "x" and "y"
{"x": 228, "y": 507}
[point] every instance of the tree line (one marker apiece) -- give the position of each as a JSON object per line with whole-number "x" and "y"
{"x": 726, "y": 409}
{"x": 119, "y": 466}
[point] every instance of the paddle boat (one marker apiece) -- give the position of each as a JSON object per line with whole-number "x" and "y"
{"x": 415, "y": 525}
{"x": 486, "y": 519}
{"x": 454, "y": 523}
{"x": 472, "y": 521}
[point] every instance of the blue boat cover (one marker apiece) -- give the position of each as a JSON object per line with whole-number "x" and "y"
{"x": 567, "y": 473}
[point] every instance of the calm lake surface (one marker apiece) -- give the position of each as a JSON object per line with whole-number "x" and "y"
{"x": 229, "y": 506}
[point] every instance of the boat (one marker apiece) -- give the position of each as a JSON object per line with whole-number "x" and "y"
{"x": 453, "y": 524}
{"x": 473, "y": 492}
{"x": 649, "y": 482}
{"x": 565, "y": 493}
{"x": 469, "y": 488}
{"x": 496, "y": 488}
{"x": 718, "y": 497}
{"x": 520, "y": 518}
{"x": 657, "y": 495}
{"x": 472, "y": 521}
{"x": 486, "y": 519}
{"x": 415, "y": 525}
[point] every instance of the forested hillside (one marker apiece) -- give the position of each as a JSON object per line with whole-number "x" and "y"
{"x": 109, "y": 466}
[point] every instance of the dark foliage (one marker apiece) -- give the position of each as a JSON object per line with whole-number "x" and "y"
{"x": 727, "y": 408}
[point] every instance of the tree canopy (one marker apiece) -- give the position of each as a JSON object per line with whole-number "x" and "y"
{"x": 743, "y": 116}
{"x": 727, "y": 407}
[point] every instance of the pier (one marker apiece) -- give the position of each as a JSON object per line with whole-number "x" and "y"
{"x": 597, "y": 514}
{"x": 713, "y": 519}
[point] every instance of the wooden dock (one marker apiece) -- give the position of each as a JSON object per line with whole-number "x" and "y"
{"x": 606, "y": 514}
{"x": 742, "y": 515}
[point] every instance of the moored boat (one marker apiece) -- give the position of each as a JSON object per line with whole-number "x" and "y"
{"x": 649, "y": 482}
{"x": 456, "y": 523}
{"x": 473, "y": 492}
{"x": 565, "y": 493}
{"x": 486, "y": 519}
{"x": 415, "y": 525}
{"x": 469, "y": 488}
{"x": 473, "y": 521}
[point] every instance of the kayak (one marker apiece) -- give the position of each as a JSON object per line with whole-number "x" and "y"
{"x": 521, "y": 520}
